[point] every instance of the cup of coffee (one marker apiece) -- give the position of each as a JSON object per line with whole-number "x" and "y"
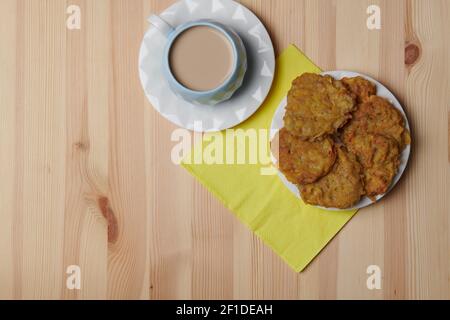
{"x": 204, "y": 61}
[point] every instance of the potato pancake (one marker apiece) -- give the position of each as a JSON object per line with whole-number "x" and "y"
{"x": 379, "y": 156}
{"x": 361, "y": 88}
{"x": 377, "y": 116}
{"x": 341, "y": 188}
{"x": 302, "y": 161}
{"x": 316, "y": 106}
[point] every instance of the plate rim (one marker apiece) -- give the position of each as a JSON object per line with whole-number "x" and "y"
{"x": 405, "y": 155}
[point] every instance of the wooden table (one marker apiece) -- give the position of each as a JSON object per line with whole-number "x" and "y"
{"x": 86, "y": 177}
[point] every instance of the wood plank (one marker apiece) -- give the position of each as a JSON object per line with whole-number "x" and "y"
{"x": 8, "y": 147}
{"x": 41, "y": 134}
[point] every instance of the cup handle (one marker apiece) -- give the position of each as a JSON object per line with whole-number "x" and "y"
{"x": 165, "y": 28}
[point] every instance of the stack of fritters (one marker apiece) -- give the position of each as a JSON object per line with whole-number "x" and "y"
{"x": 340, "y": 140}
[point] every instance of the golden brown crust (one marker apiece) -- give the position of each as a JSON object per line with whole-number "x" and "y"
{"x": 361, "y": 88}
{"x": 341, "y": 188}
{"x": 377, "y": 116}
{"x": 317, "y": 105}
{"x": 379, "y": 157}
{"x": 302, "y": 161}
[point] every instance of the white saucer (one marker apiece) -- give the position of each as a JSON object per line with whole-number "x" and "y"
{"x": 257, "y": 82}
{"x": 382, "y": 91}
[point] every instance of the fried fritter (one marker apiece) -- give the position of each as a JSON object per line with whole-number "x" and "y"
{"x": 341, "y": 188}
{"x": 317, "y": 105}
{"x": 379, "y": 156}
{"x": 301, "y": 161}
{"x": 361, "y": 88}
{"x": 377, "y": 116}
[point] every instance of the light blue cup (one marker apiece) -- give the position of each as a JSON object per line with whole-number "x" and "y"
{"x": 228, "y": 87}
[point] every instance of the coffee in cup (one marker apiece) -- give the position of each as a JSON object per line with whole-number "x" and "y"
{"x": 204, "y": 61}
{"x": 201, "y": 58}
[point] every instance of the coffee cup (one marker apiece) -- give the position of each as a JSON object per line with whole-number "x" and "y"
{"x": 204, "y": 61}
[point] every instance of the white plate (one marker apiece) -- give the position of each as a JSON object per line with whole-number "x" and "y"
{"x": 257, "y": 82}
{"x": 382, "y": 91}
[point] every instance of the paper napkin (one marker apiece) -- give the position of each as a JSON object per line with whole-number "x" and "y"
{"x": 295, "y": 231}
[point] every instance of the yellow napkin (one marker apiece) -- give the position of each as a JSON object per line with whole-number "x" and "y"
{"x": 295, "y": 231}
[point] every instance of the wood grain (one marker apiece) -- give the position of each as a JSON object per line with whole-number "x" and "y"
{"x": 87, "y": 180}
